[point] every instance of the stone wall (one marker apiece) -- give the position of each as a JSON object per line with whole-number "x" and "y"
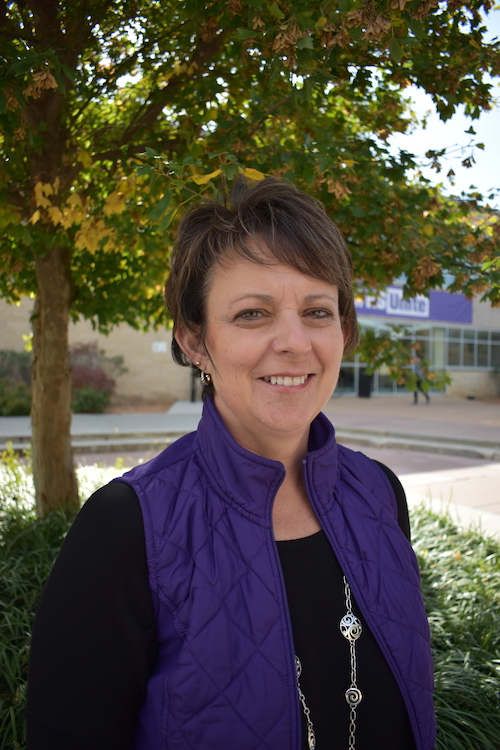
{"x": 474, "y": 383}
{"x": 485, "y": 316}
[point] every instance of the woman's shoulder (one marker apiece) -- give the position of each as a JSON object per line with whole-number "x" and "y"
{"x": 377, "y": 477}
{"x": 167, "y": 464}
{"x": 112, "y": 507}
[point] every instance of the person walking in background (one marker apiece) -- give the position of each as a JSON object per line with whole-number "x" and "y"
{"x": 418, "y": 370}
{"x": 254, "y": 585}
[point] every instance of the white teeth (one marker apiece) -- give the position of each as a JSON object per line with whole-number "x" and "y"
{"x": 287, "y": 380}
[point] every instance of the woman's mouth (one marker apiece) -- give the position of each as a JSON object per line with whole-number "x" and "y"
{"x": 286, "y": 380}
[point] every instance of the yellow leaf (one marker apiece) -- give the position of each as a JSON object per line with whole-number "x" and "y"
{"x": 74, "y": 200}
{"x": 92, "y": 233}
{"x": 67, "y": 220}
{"x": 110, "y": 246}
{"x": 179, "y": 68}
{"x": 253, "y": 174}
{"x": 428, "y": 230}
{"x": 41, "y": 192}
{"x": 202, "y": 179}
{"x": 55, "y": 215}
{"x": 84, "y": 157}
{"x": 127, "y": 186}
{"x": 72, "y": 215}
{"x": 320, "y": 23}
{"x": 114, "y": 203}
{"x": 35, "y": 217}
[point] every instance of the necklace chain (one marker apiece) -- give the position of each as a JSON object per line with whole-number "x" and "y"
{"x": 351, "y": 629}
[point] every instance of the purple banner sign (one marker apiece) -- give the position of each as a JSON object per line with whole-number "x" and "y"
{"x": 439, "y": 307}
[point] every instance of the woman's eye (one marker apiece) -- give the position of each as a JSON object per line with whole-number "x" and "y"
{"x": 249, "y": 315}
{"x": 319, "y": 314}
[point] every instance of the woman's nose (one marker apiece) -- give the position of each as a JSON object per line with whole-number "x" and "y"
{"x": 291, "y": 335}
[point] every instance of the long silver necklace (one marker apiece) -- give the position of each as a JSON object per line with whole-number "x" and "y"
{"x": 351, "y": 629}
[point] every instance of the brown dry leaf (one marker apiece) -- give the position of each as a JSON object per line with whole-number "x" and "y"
{"x": 234, "y": 6}
{"x": 338, "y": 189}
{"x": 41, "y": 82}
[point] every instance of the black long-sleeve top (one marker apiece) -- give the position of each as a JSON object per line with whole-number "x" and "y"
{"x": 94, "y": 640}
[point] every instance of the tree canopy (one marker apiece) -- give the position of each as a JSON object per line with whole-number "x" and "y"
{"x": 116, "y": 114}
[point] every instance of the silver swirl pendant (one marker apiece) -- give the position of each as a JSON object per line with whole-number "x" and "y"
{"x": 350, "y": 627}
{"x": 353, "y": 697}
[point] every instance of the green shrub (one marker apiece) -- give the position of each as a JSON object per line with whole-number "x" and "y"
{"x": 28, "y": 547}
{"x": 15, "y": 398}
{"x": 93, "y": 378}
{"x": 460, "y": 583}
{"x": 16, "y": 365}
{"x": 93, "y": 381}
{"x": 89, "y": 357}
{"x": 87, "y": 400}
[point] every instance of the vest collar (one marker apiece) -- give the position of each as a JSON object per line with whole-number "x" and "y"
{"x": 249, "y": 482}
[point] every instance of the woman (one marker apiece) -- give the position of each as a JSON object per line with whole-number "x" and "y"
{"x": 250, "y": 587}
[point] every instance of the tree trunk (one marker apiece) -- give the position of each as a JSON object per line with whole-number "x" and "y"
{"x": 53, "y": 470}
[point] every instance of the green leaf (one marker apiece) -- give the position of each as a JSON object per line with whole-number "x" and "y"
{"x": 160, "y": 207}
{"x": 276, "y": 12}
{"x": 307, "y": 89}
{"x": 305, "y": 42}
{"x": 167, "y": 220}
{"x": 144, "y": 169}
{"x": 229, "y": 171}
{"x": 242, "y": 34}
{"x": 395, "y": 49}
{"x": 59, "y": 79}
{"x": 71, "y": 74}
{"x": 345, "y": 5}
{"x": 418, "y": 29}
{"x": 151, "y": 152}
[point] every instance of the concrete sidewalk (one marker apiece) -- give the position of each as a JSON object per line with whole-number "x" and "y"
{"x": 447, "y": 453}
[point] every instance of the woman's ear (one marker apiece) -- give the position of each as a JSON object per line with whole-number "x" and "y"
{"x": 190, "y": 343}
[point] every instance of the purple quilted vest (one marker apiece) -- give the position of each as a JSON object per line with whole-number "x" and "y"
{"x": 225, "y": 673}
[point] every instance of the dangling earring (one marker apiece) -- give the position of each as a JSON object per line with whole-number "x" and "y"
{"x": 206, "y": 378}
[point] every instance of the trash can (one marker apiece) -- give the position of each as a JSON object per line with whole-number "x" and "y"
{"x": 365, "y": 383}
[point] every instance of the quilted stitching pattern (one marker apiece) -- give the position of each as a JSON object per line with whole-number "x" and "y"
{"x": 224, "y": 568}
{"x": 213, "y": 565}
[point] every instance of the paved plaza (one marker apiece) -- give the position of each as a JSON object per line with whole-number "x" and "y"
{"x": 447, "y": 453}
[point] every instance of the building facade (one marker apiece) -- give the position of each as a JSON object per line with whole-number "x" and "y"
{"x": 454, "y": 334}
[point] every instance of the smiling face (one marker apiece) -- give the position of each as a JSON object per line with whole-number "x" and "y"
{"x": 273, "y": 345}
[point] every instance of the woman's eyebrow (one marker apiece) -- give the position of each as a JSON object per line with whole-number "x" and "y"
{"x": 269, "y": 298}
{"x": 252, "y": 295}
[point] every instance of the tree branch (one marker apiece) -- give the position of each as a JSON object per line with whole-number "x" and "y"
{"x": 203, "y": 53}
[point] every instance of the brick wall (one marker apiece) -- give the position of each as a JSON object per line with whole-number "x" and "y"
{"x": 151, "y": 376}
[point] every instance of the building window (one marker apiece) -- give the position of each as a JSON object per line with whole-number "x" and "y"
{"x": 454, "y": 347}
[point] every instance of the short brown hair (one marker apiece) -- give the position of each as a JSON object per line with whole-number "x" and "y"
{"x": 293, "y": 226}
